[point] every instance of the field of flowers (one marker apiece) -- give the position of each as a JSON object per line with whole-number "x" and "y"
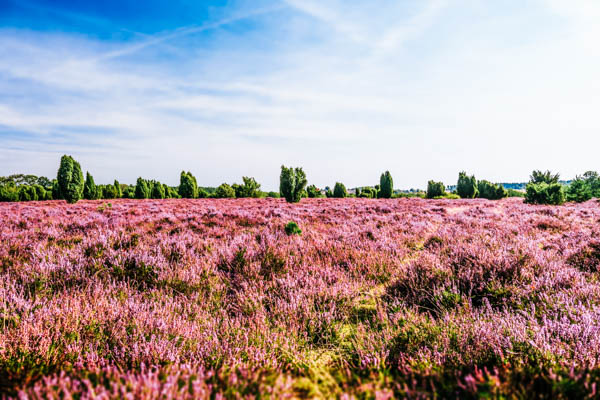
{"x": 373, "y": 299}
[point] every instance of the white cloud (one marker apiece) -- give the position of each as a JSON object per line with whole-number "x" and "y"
{"x": 345, "y": 89}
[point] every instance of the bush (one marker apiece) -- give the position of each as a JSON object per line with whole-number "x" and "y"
{"x": 544, "y": 193}
{"x": 339, "y": 191}
{"x": 491, "y": 191}
{"x": 579, "y": 191}
{"x": 250, "y": 188}
{"x": 273, "y": 195}
{"x": 313, "y": 192}
{"x": 9, "y": 192}
{"x": 292, "y": 182}
{"x": 292, "y": 228}
{"x": 367, "y": 193}
{"x": 466, "y": 186}
{"x": 386, "y": 183}
{"x": 225, "y": 192}
{"x": 27, "y": 193}
{"x": 70, "y": 180}
{"x": 435, "y": 189}
{"x": 188, "y": 187}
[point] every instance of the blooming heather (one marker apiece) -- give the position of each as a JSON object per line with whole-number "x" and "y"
{"x": 375, "y": 299}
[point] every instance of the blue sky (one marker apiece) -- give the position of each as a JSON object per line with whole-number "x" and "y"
{"x": 346, "y": 89}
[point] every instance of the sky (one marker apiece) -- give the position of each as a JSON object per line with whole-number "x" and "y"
{"x": 345, "y": 89}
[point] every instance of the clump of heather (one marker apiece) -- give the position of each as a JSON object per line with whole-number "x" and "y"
{"x": 212, "y": 299}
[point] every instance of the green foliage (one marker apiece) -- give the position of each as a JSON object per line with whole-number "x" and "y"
{"x": 579, "y": 191}
{"x": 292, "y": 228}
{"x": 543, "y": 177}
{"x": 224, "y": 191}
{"x": 292, "y": 182}
{"x": 339, "y": 191}
{"x": 544, "y": 193}
{"x": 202, "y": 193}
{"x": 273, "y": 195}
{"x": 367, "y": 193}
{"x": 8, "y": 192}
{"x": 490, "y": 191}
{"x": 592, "y": 180}
{"x": 56, "y": 190}
{"x": 70, "y": 180}
{"x": 448, "y": 196}
{"x": 27, "y": 193}
{"x": 107, "y": 192}
{"x": 250, "y": 188}
{"x": 142, "y": 189}
{"x": 386, "y": 183}
{"x": 466, "y": 186}
{"x": 328, "y": 193}
{"x": 118, "y": 189}
{"x": 313, "y": 191}
{"x": 435, "y": 189}
{"x": 90, "y": 192}
{"x": 157, "y": 191}
{"x": 188, "y": 187}
{"x": 515, "y": 193}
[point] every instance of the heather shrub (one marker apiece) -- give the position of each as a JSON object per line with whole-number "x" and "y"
{"x": 461, "y": 274}
{"x": 587, "y": 258}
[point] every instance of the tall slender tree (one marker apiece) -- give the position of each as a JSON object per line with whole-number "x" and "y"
{"x": 292, "y": 182}
{"x": 70, "y": 180}
{"x": 386, "y": 183}
{"x": 90, "y": 191}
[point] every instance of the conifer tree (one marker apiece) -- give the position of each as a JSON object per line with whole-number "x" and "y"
{"x": 292, "y": 182}
{"x": 90, "y": 192}
{"x": 386, "y": 183}
{"x": 70, "y": 180}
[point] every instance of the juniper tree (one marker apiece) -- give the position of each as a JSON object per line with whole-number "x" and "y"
{"x": 292, "y": 182}
{"x": 339, "y": 190}
{"x": 188, "y": 187}
{"x": 386, "y": 183}
{"x": 466, "y": 187}
{"x": 70, "y": 180}
{"x": 90, "y": 192}
{"x": 142, "y": 190}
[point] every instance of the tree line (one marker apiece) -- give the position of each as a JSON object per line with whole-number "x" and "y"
{"x": 70, "y": 185}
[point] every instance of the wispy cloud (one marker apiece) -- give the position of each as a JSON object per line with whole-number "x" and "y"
{"x": 347, "y": 90}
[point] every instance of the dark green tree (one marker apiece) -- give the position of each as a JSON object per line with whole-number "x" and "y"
{"x": 386, "y": 183}
{"x": 224, "y": 191}
{"x": 313, "y": 191}
{"x": 579, "y": 190}
{"x": 292, "y": 182}
{"x": 142, "y": 190}
{"x": 158, "y": 191}
{"x": 490, "y": 191}
{"x": 466, "y": 186}
{"x": 118, "y": 189}
{"x": 435, "y": 189}
{"x": 250, "y": 188}
{"x": 548, "y": 177}
{"x": 90, "y": 192}
{"x": 339, "y": 191}
{"x": 70, "y": 180}
{"x": 188, "y": 187}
